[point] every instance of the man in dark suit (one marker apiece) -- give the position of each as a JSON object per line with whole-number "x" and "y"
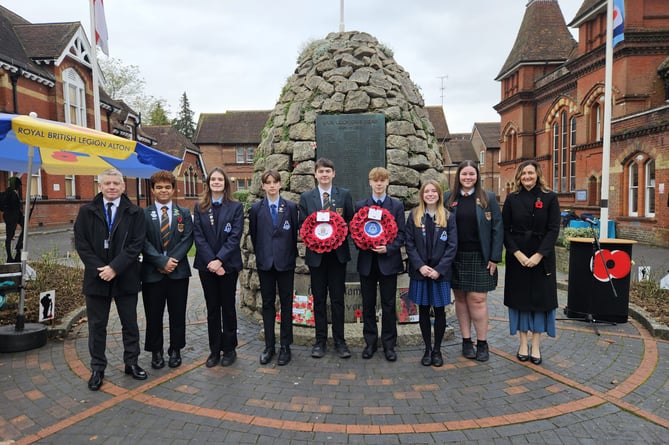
{"x": 328, "y": 270}
{"x": 380, "y": 266}
{"x": 109, "y": 236}
{"x": 273, "y": 228}
{"x": 165, "y": 270}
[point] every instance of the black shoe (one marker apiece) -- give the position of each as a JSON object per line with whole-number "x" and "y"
{"x": 482, "y": 353}
{"x": 535, "y": 360}
{"x": 523, "y": 357}
{"x": 427, "y": 357}
{"x": 267, "y": 355}
{"x": 368, "y": 352}
{"x": 95, "y": 382}
{"x": 228, "y": 358}
{"x": 213, "y": 359}
{"x": 437, "y": 359}
{"x": 342, "y": 350}
{"x": 318, "y": 350}
{"x": 390, "y": 354}
{"x": 136, "y": 371}
{"x": 157, "y": 360}
{"x": 284, "y": 356}
{"x": 175, "y": 358}
{"x": 468, "y": 349}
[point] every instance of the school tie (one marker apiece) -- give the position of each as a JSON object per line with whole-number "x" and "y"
{"x": 165, "y": 227}
{"x": 110, "y": 206}
{"x": 272, "y": 211}
{"x": 326, "y": 201}
{"x": 379, "y": 203}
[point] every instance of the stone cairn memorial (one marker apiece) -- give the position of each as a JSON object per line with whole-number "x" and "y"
{"x": 345, "y": 73}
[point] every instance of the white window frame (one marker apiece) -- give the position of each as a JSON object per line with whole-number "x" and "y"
{"x": 36, "y": 186}
{"x": 650, "y": 188}
{"x": 249, "y": 155}
{"x": 239, "y": 155}
{"x": 633, "y": 197}
{"x": 73, "y": 186}
{"x": 75, "y": 107}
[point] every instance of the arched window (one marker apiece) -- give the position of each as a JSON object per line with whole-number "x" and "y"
{"x": 556, "y": 155}
{"x": 597, "y": 117}
{"x": 640, "y": 176}
{"x": 572, "y": 149}
{"x": 649, "y": 177}
{"x": 74, "y": 98}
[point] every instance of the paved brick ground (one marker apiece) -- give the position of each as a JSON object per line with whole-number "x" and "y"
{"x": 612, "y": 388}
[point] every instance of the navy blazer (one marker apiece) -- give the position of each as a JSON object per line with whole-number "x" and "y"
{"x": 391, "y": 262}
{"x": 443, "y": 250}
{"x": 490, "y": 227}
{"x": 342, "y": 203}
{"x": 219, "y": 240}
{"x": 180, "y": 242}
{"x": 274, "y": 246}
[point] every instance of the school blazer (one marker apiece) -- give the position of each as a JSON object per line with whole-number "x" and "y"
{"x": 391, "y": 262}
{"x": 219, "y": 239}
{"x": 178, "y": 246}
{"x": 274, "y": 246}
{"x": 443, "y": 249}
{"x": 490, "y": 227}
{"x": 310, "y": 202}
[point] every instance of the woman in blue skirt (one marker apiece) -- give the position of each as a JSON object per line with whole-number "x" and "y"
{"x": 531, "y": 217}
{"x": 431, "y": 240}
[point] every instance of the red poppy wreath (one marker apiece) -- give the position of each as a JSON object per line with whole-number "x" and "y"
{"x": 323, "y": 236}
{"x": 369, "y": 233}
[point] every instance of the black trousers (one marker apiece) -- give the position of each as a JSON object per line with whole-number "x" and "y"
{"x": 329, "y": 279}
{"x": 220, "y": 296}
{"x": 387, "y": 285}
{"x": 97, "y": 311}
{"x": 174, "y": 293}
{"x": 270, "y": 280}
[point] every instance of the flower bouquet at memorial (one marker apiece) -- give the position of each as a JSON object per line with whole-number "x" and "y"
{"x": 373, "y": 226}
{"x": 407, "y": 311}
{"x": 303, "y": 311}
{"x": 321, "y": 235}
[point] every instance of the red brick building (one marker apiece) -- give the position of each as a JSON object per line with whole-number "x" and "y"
{"x": 552, "y": 109}
{"x": 47, "y": 68}
{"x": 228, "y": 140}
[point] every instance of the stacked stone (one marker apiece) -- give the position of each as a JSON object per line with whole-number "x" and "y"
{"x": 345, "y": 73}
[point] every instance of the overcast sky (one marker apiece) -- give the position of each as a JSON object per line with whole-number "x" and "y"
{"x": 237, "y": 55}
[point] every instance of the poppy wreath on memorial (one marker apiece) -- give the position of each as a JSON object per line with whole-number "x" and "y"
{"x": 322, "y": 236}
{"x": 371, "y": 233}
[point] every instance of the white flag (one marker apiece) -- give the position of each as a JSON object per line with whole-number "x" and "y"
{"x": 101, "y": 36}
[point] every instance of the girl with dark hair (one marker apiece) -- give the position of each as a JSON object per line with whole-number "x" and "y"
{"x": 480, "y": 239}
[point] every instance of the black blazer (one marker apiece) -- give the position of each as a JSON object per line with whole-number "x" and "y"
{"x": 490, "y": 227}
{"x": 443, "y": 249}
{"x": 274, "y": 246}
{"x": 391, "y": 262}
{"x": 341, "y": 203}
{"x": 181, "y": 240}
{"x": 219, "y": 239}
{"x": 127, "y": 241}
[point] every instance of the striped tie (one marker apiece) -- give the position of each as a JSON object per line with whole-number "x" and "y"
{"x": 326, "y": 201}
{"x": 165, "y": 227}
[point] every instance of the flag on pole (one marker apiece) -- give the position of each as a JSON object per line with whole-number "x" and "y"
{"x": 618, "y": 21}
{"x": 101, "y": 36}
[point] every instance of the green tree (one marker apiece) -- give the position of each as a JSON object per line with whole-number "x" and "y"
{"x": 158, "y": 115}
{"x": 125, "y": 83}
{"x": 184, "y": 122}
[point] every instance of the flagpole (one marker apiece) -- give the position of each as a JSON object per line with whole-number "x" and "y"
{"x": 606, "y": 146}
{"x": 94, "y": 69}
{"x": 341, "y": 15}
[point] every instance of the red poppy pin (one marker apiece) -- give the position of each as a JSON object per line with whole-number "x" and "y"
{"x": 538, "y": 204}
